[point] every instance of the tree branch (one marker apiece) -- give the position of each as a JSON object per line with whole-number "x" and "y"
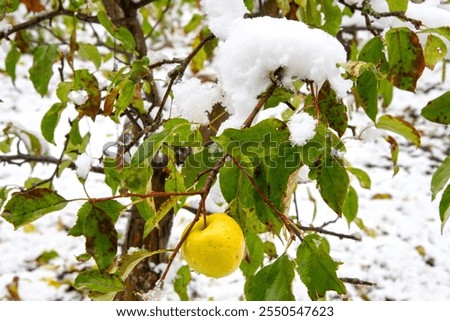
{"x": 354, "y": 237}
{"x": 46, "y": 16}
{"x": 21, "y": 159}
{"x": 357, "y": 281}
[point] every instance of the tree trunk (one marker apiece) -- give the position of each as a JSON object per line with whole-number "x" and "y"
{"x": 143, "y": 278}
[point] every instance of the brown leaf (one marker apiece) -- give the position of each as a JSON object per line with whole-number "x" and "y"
{"x": 33, "y": 5}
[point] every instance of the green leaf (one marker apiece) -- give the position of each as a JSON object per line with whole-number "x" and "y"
{"x": 367, "y": 90}
{"x": 284, "y": 6}
{"x": 8, "y": 6}
{"x": 4, "y": 191}
{"x": 255, "y": 249}
{"x": 362, "y": 176}
{"x": 333, "y": 182}
{"x": 332, "y": 110}
{"x": 63, "y": 90}
{"x": 84, "y": 80}
{"x": 199, "y": 59}
{"x": 126, "y": 93}
{"x": 440, "y": 177}
{"x": 333, "y": 17}
{"x": 373, "y": 52}
{"x": 51, "y": 120}
{"x": 195, "y": 21}
{"x": 280, "y": 95}
{"x": 148, "y": 149}
{"x": 46, "y": 257}
{"x": 316, "y": 268}
{"x": 240, "y": 195}
{"x": 435, "y": 51}
{"x": 42, "y": 69}
{"x": 130, "y": 260}
{"x": 267, "y": 138}
{"x": 405, "y": 58}
{"x": 99, "y": 282}
{"x": 11, "y": 62}
{"x": 273, "y": 282}
{"x": 122, "y": 34}
{"x": 90, "y": 52}
{"x": 249, "y": 4}
{"x": 77, "y": 144}
{"x": 437, "y": 110}
{"x": 181, "y": 282}
{"x": 398, "y": 5}
{"x": 443, "y": 31}
{"x": 196, "y": 166}
{"x": 350, "y": 208}
{"x": 444, "y": 207}
{"x": 394, "y": 152}
{"x": 26, "y": 207}
{"x": 101, "y": 237}
{"x": 399, "y": 126}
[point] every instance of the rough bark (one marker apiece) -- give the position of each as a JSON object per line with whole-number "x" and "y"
{"x": 143, "y": 278}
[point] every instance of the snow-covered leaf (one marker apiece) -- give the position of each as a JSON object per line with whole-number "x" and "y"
{"x": 84, "y": 80}
{"x": 26, "y": 207}
{"x": 399, "y": 126}
{"x": 273, "y": 282}
{"x": 405, "y": 58}
{"x": 440, "y": 177}
{"x": 316, "y": 268}
{"x": 437, "y": 110}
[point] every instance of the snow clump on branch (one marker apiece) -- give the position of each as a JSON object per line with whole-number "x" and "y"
{"x": 250, "y": 51}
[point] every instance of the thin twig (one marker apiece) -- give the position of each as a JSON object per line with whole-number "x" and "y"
{"x": 327, "y": 232}
{"x": 357, "y": 281}
{"x": 177, "y": 73}
{"x": 44, "y": 17}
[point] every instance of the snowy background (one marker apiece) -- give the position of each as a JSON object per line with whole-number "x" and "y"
{"x": 402, "y": 248}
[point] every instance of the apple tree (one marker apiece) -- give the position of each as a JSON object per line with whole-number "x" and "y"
{"x": 191, "y": 84}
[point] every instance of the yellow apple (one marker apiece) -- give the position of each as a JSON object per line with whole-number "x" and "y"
{"x": 215, "y": 250}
